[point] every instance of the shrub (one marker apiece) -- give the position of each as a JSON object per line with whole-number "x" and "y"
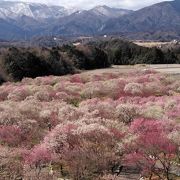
{"x": 134, "y": 89}
{"x": 152, "y": 152}
{"x": 11, "y": 135}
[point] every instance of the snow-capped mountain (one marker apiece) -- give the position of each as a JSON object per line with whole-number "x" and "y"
{"x": 26, "y": 20}
{"x": 109, "y": 12}
{"x": 86, "y": 22}
{"x": 14, "y": 10}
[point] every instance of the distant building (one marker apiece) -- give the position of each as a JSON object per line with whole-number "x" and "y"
{"x": 174, "y": 41}
{"x": 77, "y": 43}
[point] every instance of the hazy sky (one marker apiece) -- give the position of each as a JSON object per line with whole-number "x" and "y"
{"x": 86, "y": 4}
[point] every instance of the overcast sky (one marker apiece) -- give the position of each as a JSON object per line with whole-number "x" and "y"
{"x": 86, "y": 4}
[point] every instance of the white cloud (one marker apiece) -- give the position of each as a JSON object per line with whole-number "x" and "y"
{"x": 128, "y": 4}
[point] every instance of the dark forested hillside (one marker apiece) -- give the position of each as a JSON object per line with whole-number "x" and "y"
{"x": 17, "y": 63}
{"x": 122, "y": 52}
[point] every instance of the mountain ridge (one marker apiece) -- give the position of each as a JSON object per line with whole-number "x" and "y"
{"x": 161, "y": 16}
{"x": 33, "y": 19}
{"x": 14, "y": 10}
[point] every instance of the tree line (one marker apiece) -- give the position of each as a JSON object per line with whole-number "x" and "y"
{"x": 17, "y": 63}
{"x": 122, "y": 52}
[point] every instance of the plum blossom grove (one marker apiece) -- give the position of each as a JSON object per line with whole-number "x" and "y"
{"x": 90, "y": 126}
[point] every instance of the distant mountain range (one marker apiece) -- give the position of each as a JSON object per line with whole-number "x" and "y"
{"x": 162, "y": 19}
{"x": 20, "y": 21}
